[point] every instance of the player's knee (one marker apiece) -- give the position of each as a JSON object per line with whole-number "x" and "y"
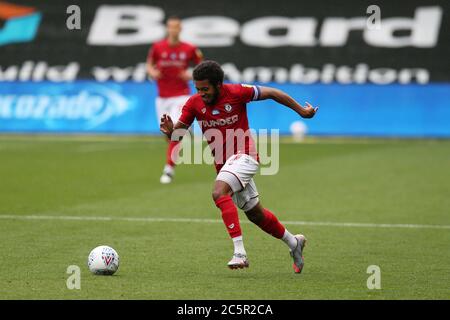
{"x": 221, "y": 189}
{"x": 217, "y": 194}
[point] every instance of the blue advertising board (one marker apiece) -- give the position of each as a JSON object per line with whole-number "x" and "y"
{"x": 128, "y": 108}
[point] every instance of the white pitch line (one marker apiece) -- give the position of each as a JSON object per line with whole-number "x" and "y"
{"x": 192, "y": 220}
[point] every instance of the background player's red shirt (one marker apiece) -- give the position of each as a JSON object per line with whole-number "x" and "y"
{"x": 171, "y": 62}
{"x": 227, "y": 118}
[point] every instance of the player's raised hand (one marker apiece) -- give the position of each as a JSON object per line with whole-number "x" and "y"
{"x": 309, "y": 111}
{"x": 166, "y": 125}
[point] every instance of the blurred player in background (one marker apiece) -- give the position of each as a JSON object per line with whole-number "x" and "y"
{"x": 220, "y": 108}
{"x": 168, "y": 63}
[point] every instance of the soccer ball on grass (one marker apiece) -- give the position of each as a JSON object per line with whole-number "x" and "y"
{"x": 103, "y": 260}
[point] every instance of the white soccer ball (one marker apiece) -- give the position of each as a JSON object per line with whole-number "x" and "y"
{"x": 103, "y": 260}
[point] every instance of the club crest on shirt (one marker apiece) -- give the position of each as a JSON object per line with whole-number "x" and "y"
{"x": 228, "y": 107}
{"x": 204, "y": 110}
{"x": 215, "y": 112}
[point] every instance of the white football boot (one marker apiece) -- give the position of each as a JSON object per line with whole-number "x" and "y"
{"x": 297, "y": 253}
{"x": 238, "y": 261}
{"x": 167, "y": 175}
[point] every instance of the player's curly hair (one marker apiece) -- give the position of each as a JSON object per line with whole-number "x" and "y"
{"x": 209, "y": 70}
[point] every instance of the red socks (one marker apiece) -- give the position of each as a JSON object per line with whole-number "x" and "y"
{"x": 229, "y": 215}
{"x": 271, "y": 225}
{"x": 172, "y": 152}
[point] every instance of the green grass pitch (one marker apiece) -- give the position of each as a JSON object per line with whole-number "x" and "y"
{"x": 379, "y": 185}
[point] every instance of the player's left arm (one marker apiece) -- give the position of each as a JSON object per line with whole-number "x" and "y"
{"x": 283, "y": 98}
{"x": 197, "y": 57}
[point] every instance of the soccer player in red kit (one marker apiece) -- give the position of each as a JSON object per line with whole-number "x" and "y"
{"x": 221, "y": 112}
{"x": 168, "y": 63}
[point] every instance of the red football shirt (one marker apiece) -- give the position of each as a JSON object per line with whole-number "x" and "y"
{"x": 224, "y": 124}
{"x": 171, "y": 62}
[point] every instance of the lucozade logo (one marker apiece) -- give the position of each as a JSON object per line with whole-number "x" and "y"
{"x": 20, "y": 23}
{"x": 71, "y": 107}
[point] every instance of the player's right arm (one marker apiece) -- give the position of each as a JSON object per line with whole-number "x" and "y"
{"x": 177, "y": 131}
{"x": 152, "y": 59}
{"x": 152, "y": 70}
{"x": 173, "y": 132}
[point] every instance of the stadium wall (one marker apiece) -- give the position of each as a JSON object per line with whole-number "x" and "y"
{"x": 390, "y": 81}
